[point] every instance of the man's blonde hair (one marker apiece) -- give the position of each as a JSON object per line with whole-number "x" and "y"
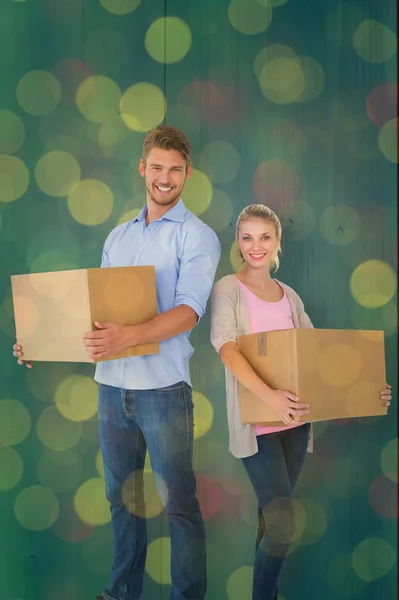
{"x": 167, "y": 137}
{"x": 260, "y": 211}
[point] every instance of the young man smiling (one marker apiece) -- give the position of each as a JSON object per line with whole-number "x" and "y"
{"x": 145, "y": 402}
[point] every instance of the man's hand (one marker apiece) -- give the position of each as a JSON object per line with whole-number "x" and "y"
{"x": 110, "y": 339}
{"x": 18, "y": 353}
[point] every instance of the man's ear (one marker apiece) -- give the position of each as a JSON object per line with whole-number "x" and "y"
{"x": 189, "y": 170}
{"x": 141, "y": 167}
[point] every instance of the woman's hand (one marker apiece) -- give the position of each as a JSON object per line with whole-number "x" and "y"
{"x": 18, "y": 353}
{"x": 386, "y": 395}
{"x": 286, "y": 405}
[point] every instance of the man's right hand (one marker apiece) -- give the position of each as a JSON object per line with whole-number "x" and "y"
{"x": 18, "y": 353}
{"x": 286, "y": 405}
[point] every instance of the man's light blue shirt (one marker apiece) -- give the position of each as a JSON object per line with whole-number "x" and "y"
{"x": 185, "y": 253}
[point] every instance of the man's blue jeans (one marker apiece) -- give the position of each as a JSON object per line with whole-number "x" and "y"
{"x": 273, "y": 472}
{"x": 160, "y": 420}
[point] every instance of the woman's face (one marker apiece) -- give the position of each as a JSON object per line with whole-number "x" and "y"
{"x": 258, "y": 242}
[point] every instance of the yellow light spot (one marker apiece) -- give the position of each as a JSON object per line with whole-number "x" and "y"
{"x": 38, "y": 93}
{"x": 57, "y": 173}
{"x": 98, "y": 98}
{"x": 375, "y": 42}
{"x": 142, "y": 484}
{"x": 339, "y": 365}
{"x": 143, "y": 106}
{"x": 314, "y": 79}
{"x": 372, "y": 559}
{"x": 220, "y": 161}
{"x": 158, "y": 560}
{"x": 12, "y": 132}
{"x": 120, "y": 7}
{"x": 239, "y": 584}
{"x": 316, "y": 522}
{"x": 69, "y": 395}
{"x": 290, "y": 517}
{"x": 389, "y": 460}
{"x": 273, "y": 4}
{"x": 269, "y": 53}
{"x": 236, "y": 262}
{"x": 340, "y": 224}
{"x": 15, "y": 422}
{"x": 36, "y": 508}
{"x": 97, "y": 550}
{"x": 203, "y": 414}
{"x": 219, "y": 215}
{"x": 59, "y": 471}
{"x": 111, "y": 134}
{"x": 91, "y": 503}
{"x": 100, "y": 464}
{"x": 55, "y": 432}
{"x": 147, "y": 464}
{"x": 298, "y": 221}
{"x": 197, "y": 193}
{"x": 11, "y": 468}
{"x": 52, "y": 260}
{"x": 129, "y": 215}
{"x": 282, "y": 80}
{"x": 388, "y": 140}
{"x": 91, "y": 202}
{"x": 14, "y": 178}
{"x": 373, "y": 283}
{"x": 168, "y": 40}
{"x": 384, "y": 318}
{"x": 249, "y": 17}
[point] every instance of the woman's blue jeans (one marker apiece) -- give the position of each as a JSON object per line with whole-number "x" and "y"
{"x": 273, "y": 472}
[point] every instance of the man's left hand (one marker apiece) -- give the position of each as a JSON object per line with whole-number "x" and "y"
{"x": 109, "y": 339}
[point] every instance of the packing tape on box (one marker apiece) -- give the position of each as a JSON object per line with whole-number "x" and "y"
{"x": 262, "y": 344}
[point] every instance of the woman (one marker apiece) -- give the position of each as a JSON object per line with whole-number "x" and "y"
{"x": 248, "y": 302}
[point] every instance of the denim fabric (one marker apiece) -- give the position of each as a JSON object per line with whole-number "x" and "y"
{"x": 273, "y": 472}
{"x": 160, "y": 421}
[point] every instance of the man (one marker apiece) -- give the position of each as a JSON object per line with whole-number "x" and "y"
{"x": 145, "y": 402}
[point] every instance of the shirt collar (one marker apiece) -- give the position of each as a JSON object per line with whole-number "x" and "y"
{"x": 176, "y": 213}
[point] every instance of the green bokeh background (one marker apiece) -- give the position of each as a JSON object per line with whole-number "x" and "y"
{"x": 319, "y": 135}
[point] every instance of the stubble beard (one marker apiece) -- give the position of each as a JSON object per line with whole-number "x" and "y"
{"x": 167, "y": 201}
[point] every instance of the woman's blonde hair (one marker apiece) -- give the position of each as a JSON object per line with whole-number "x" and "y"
{"x": 260, "y": 211}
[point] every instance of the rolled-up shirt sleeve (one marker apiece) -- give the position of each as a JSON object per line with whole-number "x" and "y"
{"x": 223, "y": 317}
{"x": 200, "y": 258}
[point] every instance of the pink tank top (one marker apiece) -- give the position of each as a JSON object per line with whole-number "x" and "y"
{"x": 268, "y": 316}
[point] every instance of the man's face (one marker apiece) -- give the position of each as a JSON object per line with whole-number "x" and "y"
{"x": 165, "y": 173}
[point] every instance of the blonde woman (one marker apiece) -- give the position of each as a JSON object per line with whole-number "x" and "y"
{"x": 249, "y": 302}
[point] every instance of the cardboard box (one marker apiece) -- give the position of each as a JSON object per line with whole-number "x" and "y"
{"x": 53, "y": 310}
{"x": 339, "y": 373}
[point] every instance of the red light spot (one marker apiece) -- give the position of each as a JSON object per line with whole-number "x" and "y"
{"x": 382, "y": 103}
{"x": 208, "y": 493}
{"x": 383, "y": 497}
